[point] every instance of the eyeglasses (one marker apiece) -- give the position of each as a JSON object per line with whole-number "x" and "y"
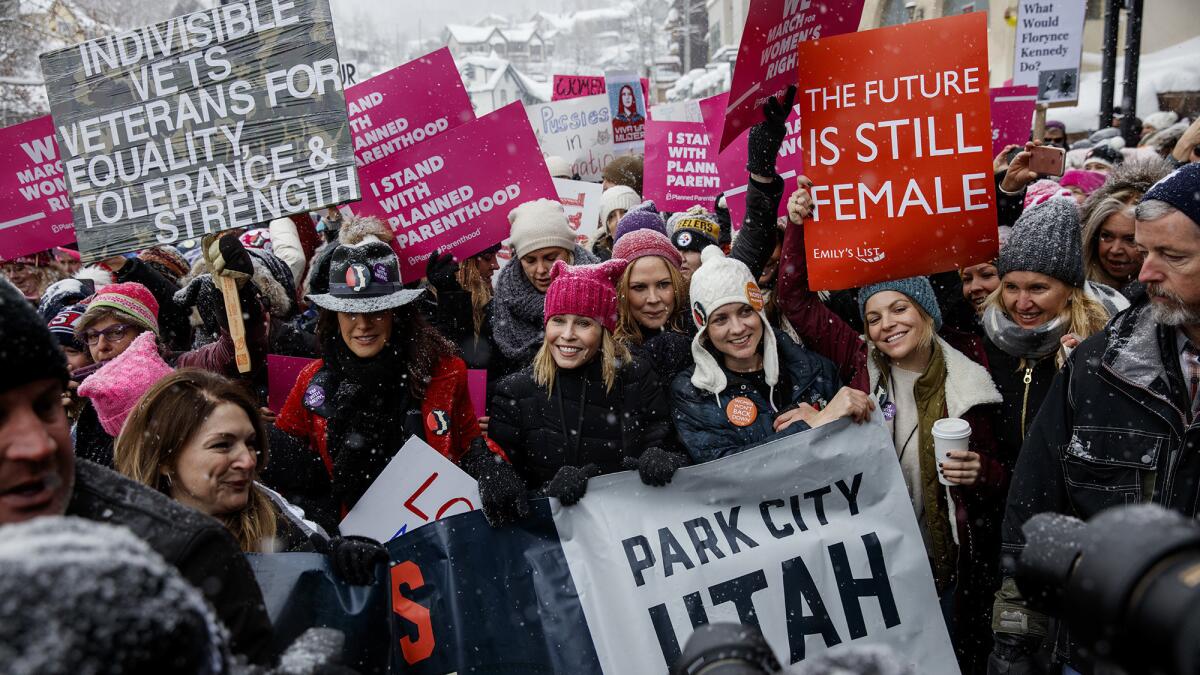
{"x": 114, "y": 333}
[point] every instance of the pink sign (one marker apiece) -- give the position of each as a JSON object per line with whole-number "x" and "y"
{"x": 477, "y": 386}
{"x": 407, "y": 105}
{"x": 35, "y": 209}
{"x": 574, "y": 86}
{"x": 1012, "y": 115}
{"x": 453, "y": 192}
{"x": 282, "y": 373}
{"x": 766, "y": 60}
{"x": 681, "y": 167}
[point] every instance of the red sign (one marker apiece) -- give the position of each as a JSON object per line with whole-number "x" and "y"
{"x": 575, "y": 86}
{"x": 766, "y": 60}
{"x": 897, "y": 142}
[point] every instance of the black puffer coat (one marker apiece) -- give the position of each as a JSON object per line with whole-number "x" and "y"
{"x": 579, "y": 422}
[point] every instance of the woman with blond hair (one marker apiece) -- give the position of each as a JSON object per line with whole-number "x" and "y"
{"x": 585, "y": 406}
{"x": 199, "y": 439}
{"x": 651, "y": 297}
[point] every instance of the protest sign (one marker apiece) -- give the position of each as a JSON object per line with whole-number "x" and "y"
{"x": 679, "y": 111}
{"x": 574, "y": 86}
{"x": 812, "y": 537}
{"x": 453, "y": 192}
{"x": 392, "y": 112}
{"x": 417, "y": 486}
{"x": 581, "y": 201}
{"x": 766, "y": 59}
{"x": 226, "y": 117}
{"x": 627, "y": 103}
{"x": 477, "y": 388}
{"x": 1049, "y": 47}
{"x": 1012, "y": 115}
{"x": 579, "y": 130}
{"x": 282, "y": 373}
{"x": 898, "y": 149}
{"x": 35, "y": 211}
{"x": 681, "y": 165}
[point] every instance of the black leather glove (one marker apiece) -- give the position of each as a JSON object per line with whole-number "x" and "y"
{"x": 354, "y": 558}
{"x": 570, "y": 483}
{"x": 500, "y": 487}
{"x": 655, "y": 465}
{"x": 766, "y": 137}
{"x": 1012, "y": 655}
{"x": 441, "y": 270}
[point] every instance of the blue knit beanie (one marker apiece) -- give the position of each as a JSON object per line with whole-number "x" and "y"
{"x": 644, "y": 216}
{"x": 1181, "y": 189}
{"x": 916, "y": 288}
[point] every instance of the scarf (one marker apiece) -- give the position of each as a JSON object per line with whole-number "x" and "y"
{"x": 518, "y": 325}
{"x": 1023, "y": 343}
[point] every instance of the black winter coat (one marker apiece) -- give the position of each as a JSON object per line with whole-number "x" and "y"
{"x": 1115, "y": 429}
{"x": 1022, "y": 399}
{"x": 579, "y": 422}
{"x": 199, "y": 547}
{"x": 92, "y": 442}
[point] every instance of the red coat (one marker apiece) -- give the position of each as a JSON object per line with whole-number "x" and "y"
{"x": 450, "y": 422}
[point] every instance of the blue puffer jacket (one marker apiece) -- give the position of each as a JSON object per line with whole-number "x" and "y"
{"x": 700, "y": 416}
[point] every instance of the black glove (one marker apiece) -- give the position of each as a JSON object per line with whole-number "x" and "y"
{"x": 1012, "y": 655}
{"x": 441, "y": 270}
{"x": 570, "y": 483}
{"x": 655, "y": 465}
{"x": 354, "y": 558}
{"x": 766, "y": 137}
{"x": 500, "y": 488}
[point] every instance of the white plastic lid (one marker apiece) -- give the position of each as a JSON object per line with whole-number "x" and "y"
{"x": 952, "y": 427}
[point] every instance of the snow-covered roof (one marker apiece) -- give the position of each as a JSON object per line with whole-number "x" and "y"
{"x": 1174, "y": 68}
{"x": 523, "y": 32}
{"x": 490, "y": 62}
{"x": 470, "y": 34}
{"x": 617, "y": 13}
{"x": 542, "y": 91}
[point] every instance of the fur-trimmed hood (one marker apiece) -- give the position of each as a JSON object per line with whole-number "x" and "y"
{"x": 968, "y": 384}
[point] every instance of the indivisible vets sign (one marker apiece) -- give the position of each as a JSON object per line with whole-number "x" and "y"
{"x": 396, "y": 110}
{"x": 766, "y": 60}
{"x": 35, "y": 210}
{"x": 226, "y": 117}
{"x": 897, "y": 142}
{"x": 453, "y": 192}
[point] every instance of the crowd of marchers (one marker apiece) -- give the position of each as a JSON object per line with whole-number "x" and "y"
{"x": 668, "y": 341}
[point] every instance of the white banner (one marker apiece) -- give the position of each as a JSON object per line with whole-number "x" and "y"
{"x": 581, "y": 201}
{"x": 812, "y": 536}
{"x": 1049, "y": 46}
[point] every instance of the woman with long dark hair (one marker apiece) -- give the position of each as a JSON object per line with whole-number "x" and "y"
{"x": 385, "y": 375}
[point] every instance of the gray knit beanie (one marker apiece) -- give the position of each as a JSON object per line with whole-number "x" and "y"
{"x": 1046, "y": 239}
{"x": 917, "y": 289}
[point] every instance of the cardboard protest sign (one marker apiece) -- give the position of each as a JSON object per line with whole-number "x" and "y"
{"x": 681, "y": 165}
{"x": 1012, "y": 115}
{"x": 579, "y": 130}
{"x": 453, "y": 192}
{"x": 417, "y": 486}
{"x": 35, "y": 210}
{"x": 627, "y": 102}
{"x": 226, "y": 117}
{"x": 1049, "y": 48}
{"x": 581, "y": 202}
{"x": 282, "y": 373}
{"x": 897, "y": 142}
{"x": 766, "y": 60}
{"x": 392, "y": 112}
{"x": 812, "y": 537}
{"x": 574, "y": 86}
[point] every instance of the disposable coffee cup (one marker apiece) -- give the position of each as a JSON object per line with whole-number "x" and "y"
{"x": 949, "y": 433}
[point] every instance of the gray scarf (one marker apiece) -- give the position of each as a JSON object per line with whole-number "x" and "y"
{"x": 517, "y": 308}
{"x": 1025, "y": 343}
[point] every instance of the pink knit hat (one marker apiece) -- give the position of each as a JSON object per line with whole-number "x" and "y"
{"x": 640, "y": 243}
{"x": 1088, "y": 181}
{"x": 1041, "y": 190}
{"x": 117, "y": 386}
{"x": 132, "y": 299}
{"x": 586, "y": 290}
